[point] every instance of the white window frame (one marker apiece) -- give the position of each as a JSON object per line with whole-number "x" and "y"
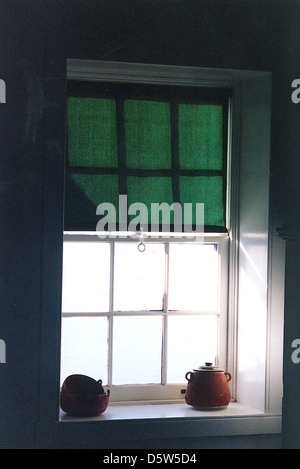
{"x": 163, "y": 391}
{"x": 145, "y": 74}
{"x": 250, "y": 243}
{"x": 257, "y": 409}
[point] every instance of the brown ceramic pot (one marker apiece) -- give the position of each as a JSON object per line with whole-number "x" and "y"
{"x": 83, "y": 396}
{"x": 84, "y": 405}
{"x": 208, "y": 387}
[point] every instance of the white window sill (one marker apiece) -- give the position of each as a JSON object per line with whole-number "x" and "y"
{"x": 236, "y": 419}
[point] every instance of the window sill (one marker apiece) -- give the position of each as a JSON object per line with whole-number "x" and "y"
{"x": 181, "y": 420}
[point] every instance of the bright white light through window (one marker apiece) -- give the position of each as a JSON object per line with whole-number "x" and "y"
{"x": 86, "y": 277}
{"x": 193, "y": 280}
{"x": 137, "y": 348}
{"x": 192, "y": 341}
{"x": 84, "y": 347}
{"x": 139, "y": 277}
{"x": 145, "y": 318}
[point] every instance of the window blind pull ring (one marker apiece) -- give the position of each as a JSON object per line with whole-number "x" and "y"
{"x": 141, "y": 246}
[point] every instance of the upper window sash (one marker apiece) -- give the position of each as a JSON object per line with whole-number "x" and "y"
{"x": 110, "y": 116}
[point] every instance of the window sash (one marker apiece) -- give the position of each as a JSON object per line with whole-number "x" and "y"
{"x": 162, "y": 390}
{"x": 222, "y": 351}
{"x": 122, "y": 179}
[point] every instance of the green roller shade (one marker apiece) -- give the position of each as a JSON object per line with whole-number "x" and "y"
{"x": 92, "y": 133}
{"x": 149, "y": 190}
{"x": 82, "y": 194}
{"x": 152, "y": 144}
{"x": 147, "y": 134}
{"x": 208, "y": 190}
{"x": 201, "y": 136}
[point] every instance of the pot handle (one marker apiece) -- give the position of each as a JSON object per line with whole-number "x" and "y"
{"x": 188, "y": 378}
{"x": 228, "y": 376}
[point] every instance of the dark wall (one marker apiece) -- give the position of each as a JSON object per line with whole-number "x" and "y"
{"x": 36, "y": 37}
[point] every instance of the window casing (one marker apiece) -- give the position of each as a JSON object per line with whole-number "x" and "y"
{"x": 125, "y": 158}
{"x": 250, "y": 131}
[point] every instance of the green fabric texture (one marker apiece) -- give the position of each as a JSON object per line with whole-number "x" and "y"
{"x": 200, "y": 136}
{"x": 92, "y": 132}
{"x": 83, "y": 193}
{"x": 150, "y": 190}
{"x": 207, "y": 190}
{"x": 147, "y": 134}
{"x": 152, "y": 151}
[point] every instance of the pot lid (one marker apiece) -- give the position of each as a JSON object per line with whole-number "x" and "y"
{"x": 209, "y": 367}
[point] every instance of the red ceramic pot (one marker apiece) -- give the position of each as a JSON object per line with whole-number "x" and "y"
{"x": 208, "y": 387}
{"x": 84, "y": 405}
{"x": 82, "y": 384}
{"x": 82, "y": 396}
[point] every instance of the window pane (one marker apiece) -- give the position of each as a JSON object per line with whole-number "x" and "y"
{"x": 86, "y": 268}
{"x": 137, "y": 344}
{"x": 139, "y": 277}
{"x": 84, "y": 192}
{"x": 148, "y": 134}
{"x": 84, "y": 347}
{"x": 200, "y": 136}
{"x": 92, "y": 133}
{"x": 150, "y": 190}
{"x": 193, "y": 277}
{"x": 192, "y": 341}
{"x": 207, "y": 190}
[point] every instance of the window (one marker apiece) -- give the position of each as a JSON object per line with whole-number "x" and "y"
{"x": 139, "y": 319}
{"x": 255, "y": 293}
{"x": 245, "y": 245}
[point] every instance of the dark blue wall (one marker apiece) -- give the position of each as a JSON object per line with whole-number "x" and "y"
{"x": 36, "y": 37}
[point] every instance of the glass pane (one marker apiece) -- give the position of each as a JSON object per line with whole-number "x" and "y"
{"x": 84, "y": 347}
{"x": 193, "y": 277}
{"x": 207, "y": 190}
{"x": 137, "y": 345}
{"x": 150, "y": 190}
{"x": 148, "y": 134}
{"x": 92, "y": 133}
{"x": 200, "y": 136}
{"x": 139, "y": 277}
{"x": 192, "y": 341}
{"x": 83, "y": 193}
{"x": 86, "y": 277}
